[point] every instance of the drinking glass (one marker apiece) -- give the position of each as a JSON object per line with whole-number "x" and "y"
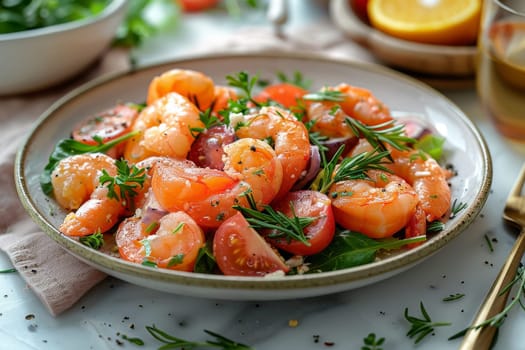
{"x": 501, "y": 66}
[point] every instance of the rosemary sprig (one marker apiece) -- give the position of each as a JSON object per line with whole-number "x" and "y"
{"x": 173, "y": 342}
{"x": 325, "y": 95}
{"x": 290, "y": 227}
{"x": 456, "y": 208}
{"x": 128, "y": 179}
{"x": 351, "y": 168}
{"x": 421, "y": 327}
{"x": 453, "y": 297}
{"x": 498, "y": 319}
{"x": 372, "y": 343}
{"x": 381, "y": 134}
{"x": 8, "y": 270}
{"x": 69, "y": 147}
{"x": 95, "y": 241}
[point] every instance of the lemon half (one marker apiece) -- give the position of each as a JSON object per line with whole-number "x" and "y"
{"x": 443, "y": 22}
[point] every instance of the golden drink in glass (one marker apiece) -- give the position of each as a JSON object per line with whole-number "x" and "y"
{"x": 501, "y": 66}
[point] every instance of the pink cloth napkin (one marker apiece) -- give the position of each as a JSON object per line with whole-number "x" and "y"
{"x": 55, "y": 276}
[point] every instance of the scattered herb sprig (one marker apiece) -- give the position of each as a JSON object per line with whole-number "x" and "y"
{"x": 289, "y": 227}
{"x": 381, "y": 134}
{"x": 95, "y": 240}
{"x": 325, "y": 95}
{"x": 498, "y": 319}
{"x": 297, "y": 79}
{"x": 453, "y": 297}
{"x": 372, "y": 343}
{"x": 69, "y": 147}
{"x": 127, "y": 180}
{"x": 172, "y": 342}
{"x": 456, "y": 208}
{"x": 421, "y": 327}
{"x": 8, "y": 270}
{"x": 349, "y": 168}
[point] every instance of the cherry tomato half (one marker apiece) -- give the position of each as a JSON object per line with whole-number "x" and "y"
{"x": 319, "y": 233}
{"x": 240, "y": 251}
{"x": 285, "y": 94}
{"x": 197, "y": 5}
{"x": 106, "y": 125}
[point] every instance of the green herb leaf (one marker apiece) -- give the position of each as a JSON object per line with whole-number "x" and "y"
{"x": 297, "y": 79}
{"x": 350, "y": 249}
{"x": 69, "y": 147}
{"x": 325, "y": 95}
{"x": 372, "y": 343}
{"x": 421, "y": 327}
{"x": 8, "y": 271}
{"x": 95, "y": 241}
{"x": 431, "y": 145}
{"x": 453, "y": 297}
{"x": 127, "y": 180}
{"x": 292, "y": 228}
{"x": 205, "y": 262}
{"x": 173, "y": 342}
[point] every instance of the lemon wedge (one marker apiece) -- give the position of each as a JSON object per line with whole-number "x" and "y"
{"x": 443, "y": 22}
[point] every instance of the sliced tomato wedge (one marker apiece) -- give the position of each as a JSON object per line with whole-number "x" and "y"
{"x": 240, "y": 251}
{"x": 106, "y": 125}
{"x": 285, "y": 94}
{"x": 319, "y": 233}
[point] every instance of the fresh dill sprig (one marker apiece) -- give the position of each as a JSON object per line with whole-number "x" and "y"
{"x": 173, "y": 342}
{"x": 95, "y": 241}
{"x": 381, "y": 134}
{"x": 372, "y": 343}
{"x": 128, "y": 179}
{"x": 350, "y": 168}
{"x": 456, "y": 208}
{"x": 292, "y": 228}
{"x": 421, "y": 327}
{"x": 325, "y": 95}
{"x": 498, "y": 319}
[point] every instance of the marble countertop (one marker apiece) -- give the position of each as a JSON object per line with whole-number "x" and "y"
{"x": 341, "y": 321}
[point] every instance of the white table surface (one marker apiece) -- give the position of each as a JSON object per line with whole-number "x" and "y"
{"x": 465, "y": 265}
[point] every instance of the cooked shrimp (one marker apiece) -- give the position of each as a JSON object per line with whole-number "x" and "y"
{"x": 424, "y": 174}
{"x": 195, "y": 86}
{"x": 172, "y": 243}
{"x": 223, "y": 94}
{"x": 358, "y": 103}
{"x": 208, "y": 195}
{"x": 428, "y": 178}
{"x": 288, "y": 136}
{"x": 166, "y": 129}
{"x": 378, "y": 207}
{"x": 75, "y": 183}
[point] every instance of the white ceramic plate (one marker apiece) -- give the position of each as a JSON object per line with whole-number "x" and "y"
{"x": 465, "y": 149}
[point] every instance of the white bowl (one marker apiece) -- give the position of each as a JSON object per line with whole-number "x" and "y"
{"x": 39, "y": 58}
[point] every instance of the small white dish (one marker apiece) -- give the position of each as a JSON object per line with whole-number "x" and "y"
{"x": 432, "y": 61}
{"x": 35, "y": 59}
{"x": 465, "y": 149}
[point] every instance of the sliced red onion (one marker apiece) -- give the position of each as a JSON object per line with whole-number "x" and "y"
{"x": 313, "y": 169}
{"x": 152, "y": 210}
{"x": 334, "y": 144}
